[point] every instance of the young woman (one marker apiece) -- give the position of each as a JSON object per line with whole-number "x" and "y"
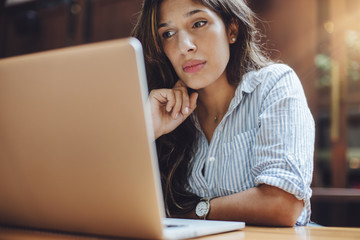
{"x": 235, "y": 137}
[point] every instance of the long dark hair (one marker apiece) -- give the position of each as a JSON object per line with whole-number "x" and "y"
{"x": 175, "y": 150}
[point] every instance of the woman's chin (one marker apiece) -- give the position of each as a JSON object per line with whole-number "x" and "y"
{"x": 195, "y": 84}
{"x": 195, "y": 87}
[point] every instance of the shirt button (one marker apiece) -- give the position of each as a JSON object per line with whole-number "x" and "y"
{"x": 211, "y": 159}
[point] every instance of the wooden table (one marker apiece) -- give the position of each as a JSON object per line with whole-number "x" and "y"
{"x": 268, "y": 233}
{"x": 301, "y": 233}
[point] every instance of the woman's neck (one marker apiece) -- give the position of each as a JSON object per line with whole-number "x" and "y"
{"x": 213, "y": 103}
{"x": 215, "y": 99}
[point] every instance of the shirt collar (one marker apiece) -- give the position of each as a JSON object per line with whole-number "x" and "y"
{"x": 249, "y": 82}
{"x": 247, "y": 85}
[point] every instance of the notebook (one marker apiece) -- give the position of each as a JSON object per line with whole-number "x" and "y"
{"x": 76, "y": 146}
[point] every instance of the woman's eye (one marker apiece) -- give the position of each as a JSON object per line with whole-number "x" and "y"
{"x": 167, "y": 34}
{"x": 199, "y": 24}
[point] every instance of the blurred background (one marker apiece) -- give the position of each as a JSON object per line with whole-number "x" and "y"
{"x": 319, "y": 39}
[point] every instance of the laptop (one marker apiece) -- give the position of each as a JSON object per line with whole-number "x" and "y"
{"x": 77, "y": 153}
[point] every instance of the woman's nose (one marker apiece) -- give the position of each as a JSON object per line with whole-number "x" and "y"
{"x": 186, "y": 43}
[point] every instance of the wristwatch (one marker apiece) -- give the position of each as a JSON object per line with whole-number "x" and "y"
{"x": 203, "y": 207}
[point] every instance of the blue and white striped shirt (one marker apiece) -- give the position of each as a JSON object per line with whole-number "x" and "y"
{"x": 266, "y": 137}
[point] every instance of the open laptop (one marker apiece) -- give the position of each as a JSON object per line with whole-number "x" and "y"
{"x": 76, "y": 146}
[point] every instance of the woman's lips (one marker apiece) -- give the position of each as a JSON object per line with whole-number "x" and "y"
{"x": 193, "y": 66}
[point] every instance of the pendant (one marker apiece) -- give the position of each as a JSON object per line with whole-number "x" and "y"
{"x": 216, "y": 119}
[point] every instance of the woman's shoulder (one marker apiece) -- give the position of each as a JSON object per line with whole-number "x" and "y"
{"x": 269, "y": 75}
{"x": 274, "y": 70}
{"x": 277, "y": 73}
{"x": 275, "y": 80}
{"x": 266, "y": 77}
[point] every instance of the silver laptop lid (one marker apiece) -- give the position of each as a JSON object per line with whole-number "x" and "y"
{"x": 75, "y": 144}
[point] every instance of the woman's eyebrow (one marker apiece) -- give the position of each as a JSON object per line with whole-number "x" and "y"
{"x": 186, "y": 15}
{"x": 189, "y": 14}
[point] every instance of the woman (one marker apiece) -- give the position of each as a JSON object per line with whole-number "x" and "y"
{"x": 234, "y": 134}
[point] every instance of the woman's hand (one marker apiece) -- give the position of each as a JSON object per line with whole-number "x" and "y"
{"x": 170, "y": 107}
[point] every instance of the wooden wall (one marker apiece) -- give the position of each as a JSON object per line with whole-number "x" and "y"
{"x": 48, "y": 24}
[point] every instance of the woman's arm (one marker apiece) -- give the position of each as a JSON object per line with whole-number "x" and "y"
{"x": 262, "y": 205}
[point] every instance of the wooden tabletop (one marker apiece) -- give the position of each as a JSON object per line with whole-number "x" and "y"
{"x": 313, "y": 233}
{"x": 268, "y": 233}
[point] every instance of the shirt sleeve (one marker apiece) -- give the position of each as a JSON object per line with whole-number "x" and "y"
{"x": 284, "y": 145}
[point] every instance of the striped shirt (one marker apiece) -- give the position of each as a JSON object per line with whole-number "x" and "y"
{"x": 266, "y": 137}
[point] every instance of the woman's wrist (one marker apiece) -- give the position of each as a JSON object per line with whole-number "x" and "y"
{"x": 158, "y": 133}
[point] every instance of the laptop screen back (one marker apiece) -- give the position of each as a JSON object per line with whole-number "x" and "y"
{"x": 75, "y": 142}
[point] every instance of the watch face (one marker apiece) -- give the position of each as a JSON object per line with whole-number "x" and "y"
{"x": 202, "y": 209}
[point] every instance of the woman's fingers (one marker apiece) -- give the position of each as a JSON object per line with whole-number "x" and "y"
{"x": 192, "y": 102}
{"x": 186, "y": 103}
{"x": 179, "y": 83}
{"x": 181, "y": 105}
{"x": 170, "y": 107}
{"x": 181, "y": 86}
{"x": 170, "y": 100}
{"x": 178, "y": 103}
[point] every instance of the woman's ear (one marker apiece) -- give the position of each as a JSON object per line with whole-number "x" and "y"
{"x": 233, "y": 31}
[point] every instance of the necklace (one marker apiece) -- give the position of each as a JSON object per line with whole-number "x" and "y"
{"x": 216, "y": 119}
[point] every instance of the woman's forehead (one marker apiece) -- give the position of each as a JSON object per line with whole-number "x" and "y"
{"x": 170, "y": 8}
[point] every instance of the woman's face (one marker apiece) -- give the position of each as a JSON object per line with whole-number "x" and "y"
{"x": 196, "y": 42}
